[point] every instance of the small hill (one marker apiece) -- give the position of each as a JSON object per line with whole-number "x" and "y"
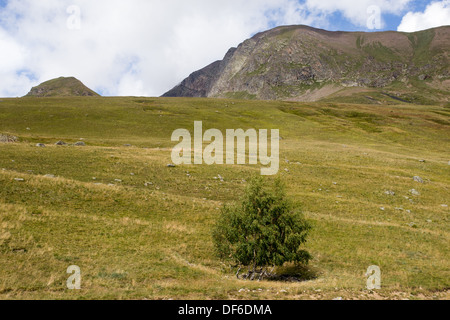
{"x": 307, "y": 64}
{"x": 62, "y": 87}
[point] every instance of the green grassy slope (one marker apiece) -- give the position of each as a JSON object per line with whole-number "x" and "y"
{"x": 142, "y": 230}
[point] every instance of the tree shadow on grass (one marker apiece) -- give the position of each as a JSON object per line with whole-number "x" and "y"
{"x": 294, "y": 273}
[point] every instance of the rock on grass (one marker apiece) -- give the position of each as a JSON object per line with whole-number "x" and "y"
{"x": 418, "y": 179}
{"x": 4, "y": 138}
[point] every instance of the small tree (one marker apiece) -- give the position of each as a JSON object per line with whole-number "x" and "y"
{"x": 262, "y": 232}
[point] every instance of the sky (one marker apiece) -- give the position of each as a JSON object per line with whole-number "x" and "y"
{"x": 146, "y": 47}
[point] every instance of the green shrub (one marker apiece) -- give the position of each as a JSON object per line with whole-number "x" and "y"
{"x": 264, "y": 231}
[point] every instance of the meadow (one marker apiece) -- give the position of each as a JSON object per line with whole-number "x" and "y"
{"x": 139, "y": 229}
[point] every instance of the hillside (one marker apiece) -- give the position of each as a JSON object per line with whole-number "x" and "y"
{"x": 306, "y": 64}
{"x": 141, "y": 230}
{"x": 61, "y": 87}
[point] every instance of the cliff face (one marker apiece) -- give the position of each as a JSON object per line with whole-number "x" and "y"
{"x": 303, "y": 63}
{"x": 200, "y": 83}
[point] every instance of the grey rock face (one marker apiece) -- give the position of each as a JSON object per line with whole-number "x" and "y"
{"x": 200, "y": 83}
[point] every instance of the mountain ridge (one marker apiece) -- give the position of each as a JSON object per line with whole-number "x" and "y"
{"x": 297, "y": 62}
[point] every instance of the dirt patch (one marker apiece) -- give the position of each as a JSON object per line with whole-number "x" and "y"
{"x": 441, "y": 85}
{"x": 316, "y": 95}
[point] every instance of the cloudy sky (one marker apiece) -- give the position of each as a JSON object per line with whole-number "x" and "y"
{"x": 145, "y": 47}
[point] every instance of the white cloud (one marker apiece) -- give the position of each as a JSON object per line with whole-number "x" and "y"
{"x": 12, "y": 65}
{"x": 133, "y": 47}
{"x": 436, "y": 14}
{"x": 143, "y": 47}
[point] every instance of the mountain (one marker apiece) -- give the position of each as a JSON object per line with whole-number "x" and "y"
{"x": 62, "y": 87}
{"x": 307, "y": 64}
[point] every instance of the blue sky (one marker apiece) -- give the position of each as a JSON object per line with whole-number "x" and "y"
{"x": 145, "y": 47}
{"x": 392, "y": 21}
{"x": 340, "y": 23}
